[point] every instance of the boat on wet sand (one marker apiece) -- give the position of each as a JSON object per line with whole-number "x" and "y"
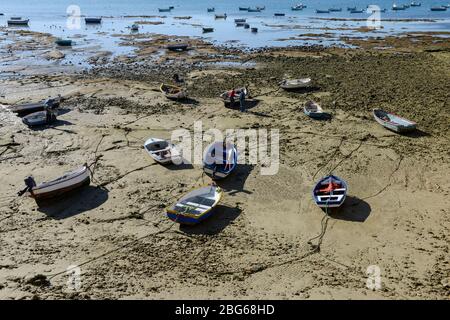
{"x": 330, "y": 192}
{"x": 28, "y": 108}
{"x": 55, "y": 188}
{"x": 173, "y": 92}
{"x": 393, "y": 122}
{"x": 162, "y": 151}
{"x": 220, "y": 160}
{"x": 40, "y": 118}
{"x": 292, "y": 84}
{"x": 195, "y": 206}
{"x": 314, "y": 110}
{"x": 229, "y": 98}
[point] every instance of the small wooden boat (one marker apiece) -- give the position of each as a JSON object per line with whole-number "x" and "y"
{"x": 177, "y": 47}
{"x": 195, "y": 206}
{"x": 277, "y": 14}
{"x": 322, "y": 11}
{"x": 254, "y": 30}
{"x": 68, "y": 182}
{"x": 211, "y": 9}
{"x": 28, "y": 108}
{"x": 207, "y": 29}
{"x": 313, "y": 110}
{"x": 335, "y": 9}
{"x": 439, "y": 8}
{"x": 357, "y": 11}
{"x": 221, "y": 16}
{"x": 39, "y": 118}
{"x": 293, "y": 84}
{"x": 243, "y": 8}
{"x": 393, "y": 122}
{"x": 134, "y": 27}
{"x": 227, "y": 97}
{"x": 18, "y": 22}
{"x": 63, "y": 42}
{"x": 239, "y": 20}
{"x": 220, "y": 160}
{"x": 93, "y": 20}
{"x": 164, "y": 9}
{"x": 173, "y": 92}
{"x": 330, "y": 192}
{"x": 162, "y": 151}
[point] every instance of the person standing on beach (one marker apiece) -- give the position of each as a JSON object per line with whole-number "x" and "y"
{"x": 242, "y": 100}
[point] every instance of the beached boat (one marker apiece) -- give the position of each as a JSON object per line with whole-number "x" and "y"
{"x": 439, "y": 8}
{"x": 239, "y": 20}
{"x": 28, "y": 108}
{"x": 292, "y": 84}
{"x": 177, "y": 47}
{"x": 335, "y": 9}
{"x": 207, "y": 29}
{"x": 227, "y": 96}
{"x": 18, "y": 22}
{"x": 173, "y": 92}
{"x": 221, "y": 16}
{"x": 278, "y": 14}
{"x": 39, "y": 118}
{"x": 164, "y": 9}
{"x": 314, "y": 110}
{"x": 162, "y": 151}
{"x": 220, "y": 160}
{"x": 195, "y": 206}
{"x": 55, "y": 188}
{"x": 63, "y": 42}
{"x": 211, "y": 9}
{"x": 254, "y": 30}
{"x": 416, "y": 4}
{"x": 93, "y": 20}
{"x": 322, "y": 11}
{"x": 393, "y": 122}
{"x": 330, "y": 192}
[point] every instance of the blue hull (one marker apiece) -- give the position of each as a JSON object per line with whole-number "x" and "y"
{"x": 179, "y": 218}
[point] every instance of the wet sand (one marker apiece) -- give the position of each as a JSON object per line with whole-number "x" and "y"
{"x": 256, "y": 246}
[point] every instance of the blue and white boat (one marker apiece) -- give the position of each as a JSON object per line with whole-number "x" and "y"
{"x": 195, "y": 206}
{"x": 314, "y": 110}
{"x": 330, "y": 192}
{"x": 393, "y": 122}
{"x": 220, "y": 160}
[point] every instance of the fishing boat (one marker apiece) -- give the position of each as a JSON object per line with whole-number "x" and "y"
{"x": 322, "y": 11}
{"x": 164, "y": 9}
{"x": 228, "y": 98}
{"x": 134, "y": 27}
{"x": 278, "y": 14}
{"x": 357, "y": 11}
{"x": 439, "y": 8}
{"x": 211, "y": 9}
{"x": 195, "y": 206}
{"x": 162, "y": 151}
{"x": 173, "y": 92}
{"x": 415, "y": 4}
{"x": 177, "y": 47}
{"x": 220, "y": 160}
{"x": 221, "y": 16}
{"x": 67, "y": 182}
{"x": 93, "y": 20}
{"x": 313, "y": 110}
{"x": 239, "y": 20}
{"x": 28, "y": 108}
{"x": 292, "y": 84}
{"x": 330, "y": 192}
{"x": 63, "y": 42}
{"x": 335, "y": 9}
{"x": 393, "y": 122}
{"x": 39, "y": 118}
{"x": 18, "y": 22}
{"x": 207, "y": 29}
{"x": 254, "y": 30}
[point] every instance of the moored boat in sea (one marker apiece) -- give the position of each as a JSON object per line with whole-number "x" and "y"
{"x": 221, "y": 16}
{"x": 335, "y": 9}
{"x": 210, "y": 9}
{"x": 439, "y": 8}
{"x": 63, "y": 42}
{"x": 322, "y": 11}
{"x": 207, "y": 29}
{"x": 254, "y": 30}
{"x": 93, "y": 20}
{"x": 18, "y": 22}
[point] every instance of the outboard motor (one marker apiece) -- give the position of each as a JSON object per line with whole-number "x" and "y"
{"x": 30, "y": 184}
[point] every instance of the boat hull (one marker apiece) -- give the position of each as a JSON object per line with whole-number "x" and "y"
{"x": 392, "y": 125}
{"x": 330, "y": 200}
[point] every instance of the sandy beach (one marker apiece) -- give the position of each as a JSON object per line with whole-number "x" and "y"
{"x": 256, "y": 246}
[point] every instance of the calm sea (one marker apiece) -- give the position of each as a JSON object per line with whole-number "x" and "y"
{"x": 51, "y": 16}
